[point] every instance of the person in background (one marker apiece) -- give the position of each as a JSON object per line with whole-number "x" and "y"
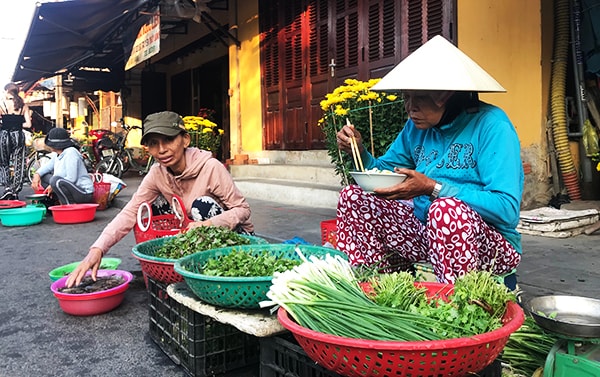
{"x": 459, "y": 206}
{"x": 65, "y": 175}
{"x": 15, "y": 116}
{"x": 201, "y": 181}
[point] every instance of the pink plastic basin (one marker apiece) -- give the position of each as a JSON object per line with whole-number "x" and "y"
{"x": 86, "y": 304}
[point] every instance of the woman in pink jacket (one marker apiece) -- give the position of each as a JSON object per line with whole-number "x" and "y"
{"x": 201, "y": 181}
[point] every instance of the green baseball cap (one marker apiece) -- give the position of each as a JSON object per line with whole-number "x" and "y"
{"x": 165, "y": 123}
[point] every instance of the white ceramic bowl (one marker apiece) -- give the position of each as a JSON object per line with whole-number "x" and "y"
{"x": 369, "y": 181}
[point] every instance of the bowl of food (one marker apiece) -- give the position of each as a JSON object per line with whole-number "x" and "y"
{"x": 22, "y": 216}
{"x": 105, "y": 264}
{"x": 74, "y": 213}
{"x": 240, "y": 276}
{"x": 369, "y": 180}
{"x": 93, "y": 297}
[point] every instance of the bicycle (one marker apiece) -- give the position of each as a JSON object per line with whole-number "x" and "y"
{"x": 35, "y": 160}
{"x": 118, "y": 159}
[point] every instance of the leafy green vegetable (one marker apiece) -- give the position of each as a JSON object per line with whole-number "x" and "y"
{"x": 527, "y": 348}
{"x": 326, "y": 296}
{"x": 200, "y": 239}
{"x": 551, "y": 315}
{"x": 244, "y": 264}
{"x": 397, "y": 290}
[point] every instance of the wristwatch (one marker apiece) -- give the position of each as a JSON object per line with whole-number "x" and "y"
{"x": 436, "y": 192}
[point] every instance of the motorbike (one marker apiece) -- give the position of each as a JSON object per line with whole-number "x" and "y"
{"x": 116, "y": 158}
{"x": 100, "y": 142}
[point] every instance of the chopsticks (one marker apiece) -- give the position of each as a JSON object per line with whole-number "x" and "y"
{"x": 355, "y": 151}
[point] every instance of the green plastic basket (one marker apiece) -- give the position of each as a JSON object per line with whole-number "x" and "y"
{"x": 239, "y": 292}
{"x": 106, "y": 264}
{"x": 161, "y": 269}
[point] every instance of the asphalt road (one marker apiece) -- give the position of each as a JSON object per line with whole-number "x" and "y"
{"x": 38, "y": 339}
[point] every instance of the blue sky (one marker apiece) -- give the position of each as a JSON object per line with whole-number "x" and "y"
{"x": 15, "y": 18}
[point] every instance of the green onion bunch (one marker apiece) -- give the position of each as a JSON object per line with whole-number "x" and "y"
{"x": 325, "y": 295}
{"x": 527, "y": 348}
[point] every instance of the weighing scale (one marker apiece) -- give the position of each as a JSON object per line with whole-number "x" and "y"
{"x": 37, "y": 198}
{"x": 576, "y": 321}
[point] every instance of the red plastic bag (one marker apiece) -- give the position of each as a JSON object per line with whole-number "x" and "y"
{"x": 101, "y": 192}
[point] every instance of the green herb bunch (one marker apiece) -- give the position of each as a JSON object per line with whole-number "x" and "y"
{"x": 378, "y": 116}
{"x": 476, "y": 306}
{"x": 200, "y": 239}
{"x": 241, "y": 263}
{"x": 398, "y": 290}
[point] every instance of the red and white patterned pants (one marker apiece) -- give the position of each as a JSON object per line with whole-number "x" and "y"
{"x": 455, "y": 239}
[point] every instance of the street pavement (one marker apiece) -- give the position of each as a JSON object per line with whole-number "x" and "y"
{"x": 38, "y": 338}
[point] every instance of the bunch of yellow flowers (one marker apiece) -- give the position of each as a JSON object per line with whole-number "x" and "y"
{"x": 378, "y": 116}
{"x": 205, "y": 133}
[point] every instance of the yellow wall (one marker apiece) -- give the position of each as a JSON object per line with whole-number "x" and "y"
{"x": 504, "y": 38}
{"x": 244, "y": 81}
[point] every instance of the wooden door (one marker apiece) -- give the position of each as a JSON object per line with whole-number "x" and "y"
{"x": 309, "y": 47}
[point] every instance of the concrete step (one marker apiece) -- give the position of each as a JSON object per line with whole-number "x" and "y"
{"x": 289, "y": 179}
{"x": 289, "y": 192}
{"x": 314, "y": 174}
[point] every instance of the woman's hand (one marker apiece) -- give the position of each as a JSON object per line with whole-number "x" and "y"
{"x": 343, "y": 138}
{"x": 36, "y": 182}
{"x": 91, "y": 261}
{"x": 415, "y": 184}
{"x": 196, "y": 224}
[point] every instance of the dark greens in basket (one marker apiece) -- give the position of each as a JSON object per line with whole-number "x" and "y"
{"x": 240, "y": 292}
{"x": 200, "y": 238}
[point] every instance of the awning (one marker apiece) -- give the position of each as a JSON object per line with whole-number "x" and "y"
{"x": 81, "y": 37}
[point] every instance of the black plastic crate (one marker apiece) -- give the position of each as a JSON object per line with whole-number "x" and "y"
{"x": 199, "y": 344}
{"x": 281, "y": 356}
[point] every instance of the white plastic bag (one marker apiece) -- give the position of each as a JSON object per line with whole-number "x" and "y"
{"x": 116, "y": 184}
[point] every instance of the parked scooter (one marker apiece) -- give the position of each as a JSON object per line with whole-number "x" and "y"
{"x": 116, "y": 159}
{"x": 103, "y": 140}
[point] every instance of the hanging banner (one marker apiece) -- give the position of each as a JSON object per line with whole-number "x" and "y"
{"x": 147, "y": 41}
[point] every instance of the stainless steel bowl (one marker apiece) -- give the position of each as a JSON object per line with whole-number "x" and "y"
{"x": 572, "y": 316}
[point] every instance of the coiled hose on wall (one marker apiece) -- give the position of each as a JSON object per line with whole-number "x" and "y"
{"x": 557, "y": 99}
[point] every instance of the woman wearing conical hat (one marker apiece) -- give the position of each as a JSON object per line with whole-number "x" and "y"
{"x": 459, "y": 206}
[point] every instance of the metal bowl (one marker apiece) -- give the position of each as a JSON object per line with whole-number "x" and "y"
{"x": 572, "y": 316}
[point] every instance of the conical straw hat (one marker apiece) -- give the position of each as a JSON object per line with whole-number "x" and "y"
{"x": 438, "y": 65}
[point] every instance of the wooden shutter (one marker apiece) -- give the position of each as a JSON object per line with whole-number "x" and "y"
{"x": 293, "y": 85}
{"x": 319, "y": 79}
{"x": 309, "y": 47}
{"x": 270, "y": 67}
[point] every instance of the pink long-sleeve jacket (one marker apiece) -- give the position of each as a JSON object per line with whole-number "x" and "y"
{"x": 202, "y": 176}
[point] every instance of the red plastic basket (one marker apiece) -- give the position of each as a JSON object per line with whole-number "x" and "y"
{"x": 159, "y": 269}
{"x": 328, "y": 232}
{"x": 151, "y": 227}
{"x": 361, "y": 357}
